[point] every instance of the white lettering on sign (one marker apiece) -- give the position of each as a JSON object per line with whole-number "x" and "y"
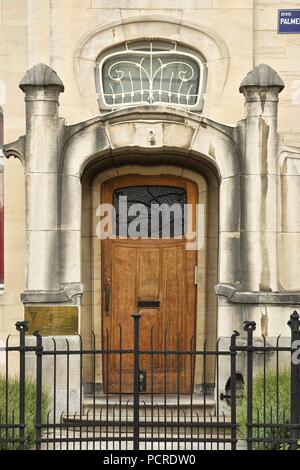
{"x": 289, "y": 20}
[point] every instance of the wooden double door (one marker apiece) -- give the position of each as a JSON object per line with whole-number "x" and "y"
{"x": 159, "y": 274}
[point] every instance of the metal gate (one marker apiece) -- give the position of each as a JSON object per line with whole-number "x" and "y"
{"x": 43, "y": 409}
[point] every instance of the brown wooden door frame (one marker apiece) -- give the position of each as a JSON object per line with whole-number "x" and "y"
{"x": 158, "y": 249}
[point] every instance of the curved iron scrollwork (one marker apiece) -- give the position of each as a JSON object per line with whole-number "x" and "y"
{"x": 156, "y": 200}
{"x": 151, "y": 77}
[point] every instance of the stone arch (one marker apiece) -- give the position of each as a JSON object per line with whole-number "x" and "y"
{"x": 173, "y": 129}
{"x": 181, "y": 139}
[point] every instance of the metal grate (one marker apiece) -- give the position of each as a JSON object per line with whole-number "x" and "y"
{"x": 135, "y": 420}
{"x": 153, "y": 204}
{"x": 152, "y": 74}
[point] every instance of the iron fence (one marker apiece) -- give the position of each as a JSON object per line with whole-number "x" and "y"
{"x": 253, "y": 401}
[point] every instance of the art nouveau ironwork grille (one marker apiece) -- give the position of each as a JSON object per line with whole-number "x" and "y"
{"x": 151, "y": 74}
{"x": 153, "y": 204}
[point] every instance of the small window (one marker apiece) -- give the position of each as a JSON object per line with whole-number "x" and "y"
{"x": 160, "y": 210}
{"x": 151, "y": 73}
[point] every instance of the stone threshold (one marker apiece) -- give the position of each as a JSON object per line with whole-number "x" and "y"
{"x": 146, "y": 399}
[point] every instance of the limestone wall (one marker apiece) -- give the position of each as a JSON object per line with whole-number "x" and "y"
{"x": 239, "y": 35}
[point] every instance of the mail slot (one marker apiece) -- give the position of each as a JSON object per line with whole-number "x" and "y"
{"x": 148, "y": 303}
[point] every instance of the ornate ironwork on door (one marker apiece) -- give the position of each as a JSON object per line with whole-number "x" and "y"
{"x": 151, "y": 73}
{"x": 161, "y": 210}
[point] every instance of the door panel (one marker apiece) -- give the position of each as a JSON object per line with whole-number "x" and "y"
{"x": 148, "y": 273}
{"x": 147, "y": 269}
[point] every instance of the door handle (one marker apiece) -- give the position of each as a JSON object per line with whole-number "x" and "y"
{"x": 107, "y": 300}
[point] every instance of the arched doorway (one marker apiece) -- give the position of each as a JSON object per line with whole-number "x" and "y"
{"x": 149, "y": 269}
{"x": 199, "y": 315}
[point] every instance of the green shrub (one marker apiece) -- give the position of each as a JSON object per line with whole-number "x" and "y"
{"x": 273, "y": 414}
{"x": 13, "y": 412}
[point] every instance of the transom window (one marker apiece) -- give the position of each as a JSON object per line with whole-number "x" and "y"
{"x": 151, "y": 72}
{"x": 160, "y": 210}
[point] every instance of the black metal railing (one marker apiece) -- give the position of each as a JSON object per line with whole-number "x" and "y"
{"x": 167, "y": 398}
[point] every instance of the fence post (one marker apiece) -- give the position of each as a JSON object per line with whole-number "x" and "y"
{"x": 21, "y": 327}
{"x": 233, "y": 353}
{"x": 136, "y": 381}
{"x": 294, "y": 324}
{"x": 249, "y": 327}
{"x": 39, "y": 390}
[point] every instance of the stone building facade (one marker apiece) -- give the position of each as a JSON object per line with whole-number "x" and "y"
{"x": 241, "y": 148}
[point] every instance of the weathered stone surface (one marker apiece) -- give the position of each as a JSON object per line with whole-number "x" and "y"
{"x": 234, "y": 293}
{"x": 16, "y": 149}
{"x": 262, "y": 76}
{"x": 41, "y": 75}
{"x": 61, "y": 396}
{"x": 256, "y": 209}
{"x": 69, "y": 293}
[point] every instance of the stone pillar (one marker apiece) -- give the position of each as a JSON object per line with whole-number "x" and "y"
{"x": 42, "y": 88}
{"x": 259, "y": 179}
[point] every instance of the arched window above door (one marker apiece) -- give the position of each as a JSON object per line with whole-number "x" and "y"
{"x": 151, "y": 73}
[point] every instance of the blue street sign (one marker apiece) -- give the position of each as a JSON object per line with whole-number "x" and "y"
{"x": 288, "y": 21}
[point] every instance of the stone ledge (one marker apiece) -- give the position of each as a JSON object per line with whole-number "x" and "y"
{"x": 234, "y": 294}
{"x": 68, "y": 294}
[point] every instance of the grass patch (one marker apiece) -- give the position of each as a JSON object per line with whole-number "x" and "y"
{"x": 12, "y": 414}
{"x": 273, "y": 414}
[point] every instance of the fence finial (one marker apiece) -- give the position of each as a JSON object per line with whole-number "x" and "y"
{"x": 249, "y": 325}
{"x": 294, "y": 322}
{"x": 22, "y": 326}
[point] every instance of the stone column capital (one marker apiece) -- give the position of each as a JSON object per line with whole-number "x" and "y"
{"x": 41, "y": 76}
{"x": 42, "y": 87}
{"x": 261, "y": 84}
{"x": 261, "y": 88}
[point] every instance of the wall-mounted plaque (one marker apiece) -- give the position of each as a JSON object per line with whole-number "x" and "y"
{"x": 52, "y": 320}
{"x": 289, "y": 21}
